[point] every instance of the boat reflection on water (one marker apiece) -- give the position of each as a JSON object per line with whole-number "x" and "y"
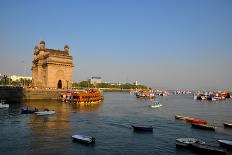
{"x": 83, "y": 108}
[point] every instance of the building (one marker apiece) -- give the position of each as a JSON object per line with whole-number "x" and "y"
{"x": 52, "y": 68}
{"x": 17, "y": 78}
{"x": 95, "y": 80}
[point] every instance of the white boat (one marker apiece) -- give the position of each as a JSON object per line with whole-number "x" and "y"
{"x": 156, "y": 104}
{"x": 3, "y": 105}
{"x": 226, "y": 143}
{"x": 185, "y": 142}
{"x": 83, "y": 138}
{"x": 45, "y": 112}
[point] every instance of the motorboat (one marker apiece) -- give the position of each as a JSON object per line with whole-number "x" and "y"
{"x": 185, "y": 142}
{"x": 45, "y": 112}
{"x": 142, "y": 128}
{"x": 207, "y": 149}
{"x": 3, "y": 105}
{"x": 156, "y": 104}
{"x": 83, "y": 139}
{"x": 28, "y": 111}
{"x": 203, "y": 126}
{"x": 225, "y": 143}
{"x": 228, "y": 125}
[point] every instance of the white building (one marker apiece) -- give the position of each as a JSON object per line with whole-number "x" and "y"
{"x": 95, "y": 80}
{"x": 17, "y": 78}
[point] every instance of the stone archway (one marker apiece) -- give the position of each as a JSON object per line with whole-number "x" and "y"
{"x": 59, "y": 84}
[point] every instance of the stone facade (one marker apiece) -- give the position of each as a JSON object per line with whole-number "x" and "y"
{"x": 52, "y": 68}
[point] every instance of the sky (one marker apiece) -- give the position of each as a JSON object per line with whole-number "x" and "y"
{"x": 175, "y": 44}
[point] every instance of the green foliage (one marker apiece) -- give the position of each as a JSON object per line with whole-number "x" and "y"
{"x": 86, "y": 84}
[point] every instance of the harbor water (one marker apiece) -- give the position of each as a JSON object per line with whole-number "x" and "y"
{"x": 110, "y": 123}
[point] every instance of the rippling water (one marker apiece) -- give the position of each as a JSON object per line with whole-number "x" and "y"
{"x": 109, "y": 122}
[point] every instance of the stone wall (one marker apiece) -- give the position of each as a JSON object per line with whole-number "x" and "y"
{"x": 17, "y": 94}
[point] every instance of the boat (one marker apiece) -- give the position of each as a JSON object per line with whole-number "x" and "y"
{"x": 83, "y": 97}
{"x": 83, "y": 139}
{"x": 198, "y": 121}
{"x": 185, "y": 142}
{"x": 228, "y": 125}
{"x": 45, "y": 112}
{"x": 180, "y": 117}
{"x": 226, "y": 143}
{"x": 203, "y": 126}
{"x": 3, "y": 105}
{"x": 28, "y": 111}
{"x": 142, "y": 128}
{"x": 207, "y": 149}
{"x": 156, "y": 104}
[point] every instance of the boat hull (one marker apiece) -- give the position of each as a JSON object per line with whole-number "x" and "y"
{"x": 83, "y": 139}
{"x": 208, "y": 149}
{"x": 227, "y": 125}
{"x": 142, "y": 129}
{"x": 226, "y": 143}
{"x": 204, "y": 127}
{"x": 41, "y": 113}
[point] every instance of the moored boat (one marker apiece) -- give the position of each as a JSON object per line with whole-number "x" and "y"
{"x": 226, "y": 143}
{"x": 3, "y": 105}
{"x": 185, "y": 142}
{"x": 45, "y": 112}
{"x": 28, "y": 111}
{"x": 203, "y": 126}
{"x": 228, "y": 125}
{"x": 207, "y": 149}
{"x": 142, "y": 128}
{"x": 83, "y": 139}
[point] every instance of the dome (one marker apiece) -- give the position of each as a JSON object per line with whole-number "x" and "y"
{"x": 42, "y": 42}
{"x": 66, "y": 46}
{"x": 36, "y": 47}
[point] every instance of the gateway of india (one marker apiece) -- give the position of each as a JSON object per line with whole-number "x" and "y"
{"x": 52, "y": 68}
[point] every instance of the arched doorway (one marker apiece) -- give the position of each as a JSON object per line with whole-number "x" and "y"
{"x": 59, "y": 85}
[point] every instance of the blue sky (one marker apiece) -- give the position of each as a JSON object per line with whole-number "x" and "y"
{"x": 160, "y": 43}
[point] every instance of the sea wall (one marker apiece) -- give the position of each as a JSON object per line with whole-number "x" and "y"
{"x": 17, "y": 94}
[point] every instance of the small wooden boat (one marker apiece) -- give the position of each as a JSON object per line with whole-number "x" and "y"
{"x": 226, "y": 143}
{"x": 228, "y": 125}
{"x": 198, "y": 121}
{"x": 142, "y": 128}
{"x": 3, "y": 105}
{"x": 28, "y": 111}
{"x": 207, "y": 149}
{"x": 203, "y": 126}
{"x": 185, "y": 142}
{"x": 45, "y": 112}
{"x": 83, "y": 139}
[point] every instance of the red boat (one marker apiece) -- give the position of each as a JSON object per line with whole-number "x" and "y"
{"x": 198, "y": 121}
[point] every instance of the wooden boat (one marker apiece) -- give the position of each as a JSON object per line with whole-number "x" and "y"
{"x": 198, "y": 121}
{"x": 83, "y": 139}
{"x": 3, "y": 105}
{"x": 207, "y": 149}
{"x": 28, "y": 111}
{"x": 180, "y": 117}
{"x": 203, "y": 126}
{"x": 142, "y": 128}
{"x": 228, "y": 125}
{"x": 226, "y": 143}
{"x": 45, "y": 112}
{"x": 185, "y": 142}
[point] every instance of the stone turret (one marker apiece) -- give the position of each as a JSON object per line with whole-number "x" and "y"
{"x": 66, "y": 49}
{"x": 42, "y": 45}
{"x": 36, "y": 50}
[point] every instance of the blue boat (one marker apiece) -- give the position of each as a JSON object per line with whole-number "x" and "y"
{"x": 28, "y": 111}
{"x": 142, "y": 128}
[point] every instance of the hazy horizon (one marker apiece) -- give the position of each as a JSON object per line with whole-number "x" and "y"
{"x": 159, "y": 43}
